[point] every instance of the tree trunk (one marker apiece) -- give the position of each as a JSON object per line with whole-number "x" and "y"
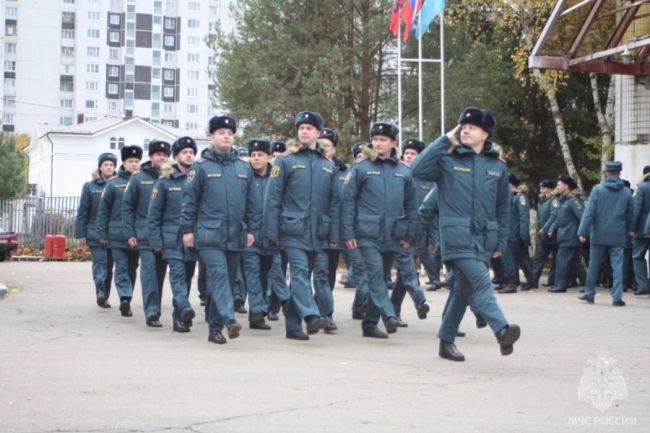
{"x": 549, "y": 91}
{"x": 605, "y": 118}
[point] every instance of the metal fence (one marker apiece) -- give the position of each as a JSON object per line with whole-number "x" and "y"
{"x": 33, "y": 218}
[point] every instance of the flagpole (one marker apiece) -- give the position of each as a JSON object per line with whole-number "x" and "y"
{"x": 442, "y": 73}
{"x": 420, "y": 109}
{"x": 399, "y": 84}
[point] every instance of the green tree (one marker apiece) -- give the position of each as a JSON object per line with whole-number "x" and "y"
{"x": 12, "y": 168}
{"x": 290, "y": 55}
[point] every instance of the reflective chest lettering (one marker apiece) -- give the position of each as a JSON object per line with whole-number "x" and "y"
{"x": 373, "y": 173}
{"x": 242, "y": 176}
{"x": 214, "y": 174}
{"x": 462, "y": 169}
{"x": 327, "y": 170}
{"x": 494, "y": 173}
{"x": 298, "y": 166}
{"x": 146, "y": 182}
{"x": 175, "y": 189}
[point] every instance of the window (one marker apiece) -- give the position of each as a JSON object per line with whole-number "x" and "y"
{"x": 8, "y": 118}
{"x": 168, "y": 92}
{"x": 114, "y": 53}
{"x": 155, "y": 93}
{"x": 10, "y": 48}
{"x": 10, "y": 30}
{"x": 92, "y": 69}
{"x": 155, "y": 73}
{"x": 67, "y": 69}
{"x": 92, "y": 51}
{"x": 114, "y": 19}
{"x": 67, "y": 51}
{"x": 91, "y": 103}
{"x": 170, "y": 56}
{"x": 67, "y": 18}
{"x": 168, "y": 123}
{"x": 10, "y": 83}
{"x": 192, "y": 108}
{"x": 90, "y": 118}
{"x": 168, "y": 108}
{"x": 191, "y": 126}
{"x": 170, "y": 24}
{"x": 170, "y": 41}
{"x": 9, "y": 101}
{"x": 93, "y": 15}
{"x": 192, "y": 75}
{"x": 193, "y": 40}
{"x": 170, "y": 7}
{"x": 113, "y": 71}
{"x": 112, "y": 106}
{"x": 91, "y": 86}
{"x": 128, "y": 99}
{"x": 65, "y": 103}
{"x": 120, "y": 143}
{"x": 114, "y": 36}
{"x": 193, "y": 24}
{"x": 192, "y": 91}
{"x": 67, "y": 34}
{"x": 112, "y": 89}
{"x": 155, "y": 42}
{"x": 156, "y": 58}
{"x": 113, "y": 143}
{"x": 157, "y": 7}
{"x": 10, "y": 66}
{"x": 70, "y": 2}
{"x": 192, "y": 57}
{"x": 169, "y": 74}
{"x": 93, "y": 33}
{"x": 155, "y": 109}
{"x": 66, "y": 85}
{"x": 194, "y": 6}
{"x": 65, "y": 120}
{"x": 11, "y": 12}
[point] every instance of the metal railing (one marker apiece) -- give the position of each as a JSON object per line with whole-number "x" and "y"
{"x": 33, "y": 218}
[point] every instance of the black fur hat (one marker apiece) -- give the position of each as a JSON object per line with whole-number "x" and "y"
{"x": 218, "y": 122}
{"x": 478, "y": 117}
{"x": 411, "y": 143}
{"x": 258, "y": 145}
{"x": 382, "y": 128}
{"x": 184, "y": 143}
{"x": 132, "y": 151}
{"x": 310, "y": 118}
{"x": 156, "y": 146}
{"x": 331, "y": 135}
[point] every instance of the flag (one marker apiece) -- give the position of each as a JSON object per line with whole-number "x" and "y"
{"x": 404, "y": 10}
{"x": 430, "y": 10}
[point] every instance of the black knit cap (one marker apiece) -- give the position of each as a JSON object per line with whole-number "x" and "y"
{"x": 156, "y": 146}
{"x": 106, "y": 156}
{"x": 331, "y": 135}
{"x": 184, "y": 143}
{"x": 132, "y": 151}
{"x": 218, "y": 122}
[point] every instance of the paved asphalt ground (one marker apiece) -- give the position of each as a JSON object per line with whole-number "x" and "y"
{"x": 68, "y": 366}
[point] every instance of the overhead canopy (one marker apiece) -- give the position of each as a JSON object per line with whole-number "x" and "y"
{"x": 601, "y": 36}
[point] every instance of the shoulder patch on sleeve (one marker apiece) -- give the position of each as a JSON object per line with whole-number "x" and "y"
{"x": 190, "y": 175}
{"x": 275, "y": 171}
{"x": 154, "y": 193}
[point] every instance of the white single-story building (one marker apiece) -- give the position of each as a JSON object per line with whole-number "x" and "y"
{"x": 61, "y": 158}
